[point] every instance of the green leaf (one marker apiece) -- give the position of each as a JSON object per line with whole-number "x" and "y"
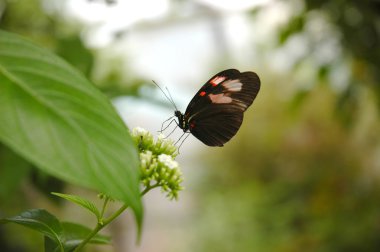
{"x": 74, "y": 232}
{"x": 80, "y": 201}
{"x": 73, "y": 51}
{"x": 73, "y": 235}
{"x": 51, "y": 246}
{"x": 55, "y": 118}
{"x": 41, "y": 221}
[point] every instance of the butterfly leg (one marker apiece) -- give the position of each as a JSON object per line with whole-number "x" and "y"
{"x": 162, "y": 125}
{"x": 168, "y": 127}
{"x": 173, "y": 129}
{"x": 188, "y": 134}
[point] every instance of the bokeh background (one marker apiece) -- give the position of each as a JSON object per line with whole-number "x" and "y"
{"x": 302, "y": 174}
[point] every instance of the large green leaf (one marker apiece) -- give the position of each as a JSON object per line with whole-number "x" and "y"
{"x": 53, "y": 117}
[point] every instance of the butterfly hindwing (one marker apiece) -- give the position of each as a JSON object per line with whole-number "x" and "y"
{"x": 216, "y": 124}
{"x": 215, "y": 113}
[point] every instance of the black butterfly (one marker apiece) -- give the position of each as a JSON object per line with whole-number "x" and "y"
{"x": 215, "y": 113}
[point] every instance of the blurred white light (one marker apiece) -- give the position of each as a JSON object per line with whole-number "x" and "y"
{"x": 234, "y": 5}
{"x": 120, "y": 14}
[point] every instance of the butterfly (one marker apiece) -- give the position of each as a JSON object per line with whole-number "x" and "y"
{"x": 216, "y": 112}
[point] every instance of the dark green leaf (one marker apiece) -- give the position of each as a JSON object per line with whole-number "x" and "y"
{"x": 75, "y": 232}
{"x": 73, "y": 235}
{"x": 73, "y": 51}
{"x": 41, "y": 221}
{"x": 52, "y": 116}
{"x": 50, "y": 245}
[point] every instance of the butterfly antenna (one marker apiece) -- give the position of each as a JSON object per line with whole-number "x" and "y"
{"x": 170, "y": 99}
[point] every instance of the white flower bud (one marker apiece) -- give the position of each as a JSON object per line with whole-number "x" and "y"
{"x": 167, "y": 161}
{"x": 139, "y": 131}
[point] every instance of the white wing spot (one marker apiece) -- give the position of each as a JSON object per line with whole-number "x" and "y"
{"x": 233, "y": 85}
{"x": 217, "y": 80}
{"x": 220, "y": 98}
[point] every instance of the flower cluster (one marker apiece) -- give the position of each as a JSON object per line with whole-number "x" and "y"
{"x": 157, "y": 164}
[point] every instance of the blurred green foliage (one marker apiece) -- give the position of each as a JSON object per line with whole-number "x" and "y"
{"x": 356, "y": 26}
{"x": 302, "y": 174}
{"x": 294, "y": 182}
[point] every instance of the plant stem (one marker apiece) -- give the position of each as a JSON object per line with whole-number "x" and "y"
{"x": 98, "y": 227}
{"x": 104, "y": 222}
{"x": 148, "y": 188}
{"x": 104, "y": 207}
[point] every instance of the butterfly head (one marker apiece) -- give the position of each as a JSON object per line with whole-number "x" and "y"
{"x": 181, "y": 120}
{"x": 178, "y": 113}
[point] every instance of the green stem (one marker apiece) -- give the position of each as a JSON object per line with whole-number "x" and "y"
{"x": 98, "y": 227}
{"x": 104, "y": 207}
{"x": 148, "y": 188}
{"x": 104, "y": 222}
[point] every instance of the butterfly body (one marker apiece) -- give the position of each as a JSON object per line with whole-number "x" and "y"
{"x": 215, "y": 113}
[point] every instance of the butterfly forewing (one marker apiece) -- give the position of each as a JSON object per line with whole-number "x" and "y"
{"x": 216, "y": 111}
{"x": 227, "y": 87}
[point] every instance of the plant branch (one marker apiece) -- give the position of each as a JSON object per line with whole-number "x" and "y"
{"x": 104, "y": 222}
{"x": 104, "y": 207}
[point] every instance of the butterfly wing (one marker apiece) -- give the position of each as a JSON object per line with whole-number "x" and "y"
{"x": 216, "y": 124}
{"x": 215, "y": 113}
